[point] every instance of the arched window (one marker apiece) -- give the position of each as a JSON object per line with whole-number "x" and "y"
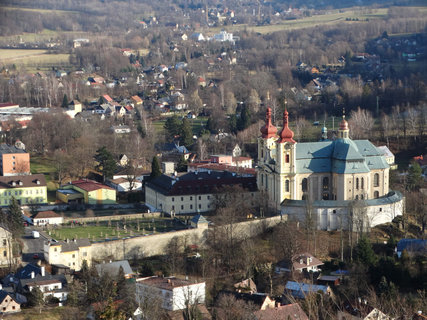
{"x": 357, "y": 197}
{"x": 376, "y": 194}
{"x": 287, "y": 185}
{"x": 376, "y": 180}
{"x": 325, "y": 196}
{"x": 304, "y": 185}
{"x": 325, "y": 183}
{"x": 287, "y": 158}
{"x": 362, "y": 183}
{"x": 357, "y": 183}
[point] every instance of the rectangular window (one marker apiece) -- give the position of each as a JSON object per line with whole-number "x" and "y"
{"x": 182, "y": 198}
{"x": 200, "y": 206}
{"x": 173, "y": 207}
{"x": 200, "y": 197}
{"x": 4, "y": 242}
{"x": 16, "y": 193}
{"x": 173, "y": 199}
{"x": 191, "y": 206}
{"x": 73, "y": 256}
{"x": 191, "y": 198}
{"x": 208, "y": 197}
{"x": 182, "y": 207}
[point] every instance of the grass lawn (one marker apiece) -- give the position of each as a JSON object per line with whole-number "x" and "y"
{"x": 56, "y": 313}
{"x": 116, "y": 229}
{"x": 332, "y": 17}
{"x": 34, "y": 59}
{"x": 42, "y": 165}
{"x": 196, "y": 124}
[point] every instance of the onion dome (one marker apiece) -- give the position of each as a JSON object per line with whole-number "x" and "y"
{"x": 286, "y": 134}
{"x": 268, "y": 130}
{"x": 343, "y": 124}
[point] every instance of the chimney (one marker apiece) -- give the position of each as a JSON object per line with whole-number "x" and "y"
{"x": 43, "y": 272}
{"x": 32, "y": 275}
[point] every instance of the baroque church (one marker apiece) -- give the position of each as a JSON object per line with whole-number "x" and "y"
{"x": 331, "y": 175}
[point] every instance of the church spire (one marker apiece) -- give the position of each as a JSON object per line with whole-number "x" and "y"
{"x": 268, "y": 130}
{"x": 286, "y": 134}
{"x": 343, "y": 131}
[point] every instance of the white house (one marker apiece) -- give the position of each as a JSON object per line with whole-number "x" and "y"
{"x": 124, "y": 184}
{"x": 43, "y": 218}
{"x": 172, "y": 292}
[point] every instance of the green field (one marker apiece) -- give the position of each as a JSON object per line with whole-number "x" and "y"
{"x": 332, "y": 17}
{"x": 115, "y": 229}
{"x": 33, "y": 59}
{"x": 40, "y": 10}
{"x": 196, "y": 124}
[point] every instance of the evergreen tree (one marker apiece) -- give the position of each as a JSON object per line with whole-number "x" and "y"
{"x": 233, "y": 123}
{"x": 365, "y": 253}
{"x": 172, "y": 127}
{"x": 181, "y": 165}
{"x": 14, "y": 218}
{"x": 414, "y": 176}
{"x": 64, "y": 102}
{"x": 245, "y": 119}
{"x": 106, "y": 163}
{"x": 186, "y": 133}
{"x": 36, "y": 298}
{"x": 155, "y": 168}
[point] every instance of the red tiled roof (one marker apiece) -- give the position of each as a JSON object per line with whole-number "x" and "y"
{"x": 136, "y": 98}
{"x": 90, "y": 185}
{"x": 107, "y": 97}
{"x": 8, "y": 104}
{"x": 287, "y": 312}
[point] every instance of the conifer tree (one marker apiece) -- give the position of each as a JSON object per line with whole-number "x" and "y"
{"x": 155, "y": 168}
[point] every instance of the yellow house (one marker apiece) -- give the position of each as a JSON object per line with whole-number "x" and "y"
{"x": 70, "y": 253}
{"x": 28, "y": 189}
{"x": 5, "y": 247}
{"x": 87, "y": 191}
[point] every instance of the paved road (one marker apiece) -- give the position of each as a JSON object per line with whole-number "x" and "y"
{"x": 32, "y": 246}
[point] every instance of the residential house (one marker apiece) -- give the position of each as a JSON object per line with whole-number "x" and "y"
{"x": 8, "y": 304}
{"x": 86, "y": 191}
{"x": 106, "y": 98}
{"x": 304, "y": 262}
{"x": 29, "y": 189}
{"x": 124, "y": 184}
{"x": 247, "y": 286}
{"x": 43, "y": 218}
{"x": 173, "y": 293}
{"x": 193, "y": 192}
{"x": 74, "y": 107}
{"x": 286, "y": 312}
{"x": 113, "y": 268}
{"x": 360, "y": 310}
{"x": 388, "y": 155}
{"x": 412, "y": 247}
{"x": 70, "y": 253}
{"x": 300, "y": 290}
{"x": 49, "y": 285}
{"x": 6, "y": 257}
{"x": 120, "y": 111}
{"x": 136, "y": 100}
{"x": 168, "y": 167}
{"x": 123, "y": 160}
{"x": 14, "y": 160}
{"x": 260, "y": 301}
{"x": 197, "y": 37}
{"x": 329, "y": 280}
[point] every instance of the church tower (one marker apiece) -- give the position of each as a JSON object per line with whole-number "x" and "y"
{"x": 286, "y": 159}
{"x": 343, "y": 131}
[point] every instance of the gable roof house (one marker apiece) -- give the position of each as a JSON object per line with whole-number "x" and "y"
{"x": 261, "y": 301}
{"x": 247, "y": 285}
{"x": 304, "y": 262}
{"x": 301, "y": 290}
{"x": 43, "y": 218}
{"x": 86, "y": 191}
{"x": 68, "y": 253}
{"x": 113, "y": 267}
{"x": 360, "y": 310}
{"x": 49, "y": 285}
{"x": 8, "y": 304}
{"x": 286, "y": 312}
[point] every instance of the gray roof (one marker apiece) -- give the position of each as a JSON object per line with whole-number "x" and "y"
{"x": 339, "y": 156}
{"x": 391, "y": 197}
{"x": 72, "y": 245}
{"x": 199, "y": 219}
{"x": 5, "y": 149}
{"x": 113, "y": 268}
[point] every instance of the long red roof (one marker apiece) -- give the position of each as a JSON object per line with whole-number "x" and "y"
{"x": 90, "y": 185}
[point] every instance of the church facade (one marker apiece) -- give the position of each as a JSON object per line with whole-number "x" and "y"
{"x": 331, "y": 176}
